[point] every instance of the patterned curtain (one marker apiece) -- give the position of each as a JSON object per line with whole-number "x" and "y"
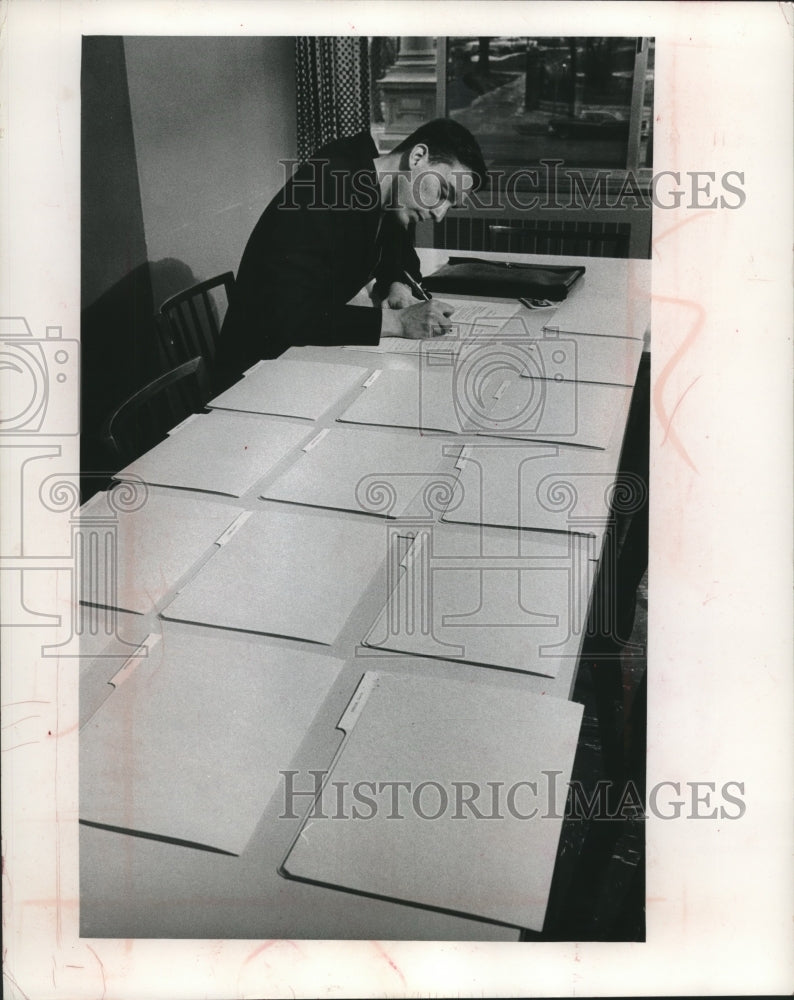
{"x": 333, "y": 90}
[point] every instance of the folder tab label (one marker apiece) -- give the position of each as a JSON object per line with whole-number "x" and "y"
{"x": 234, "y": 527}
{"x": 315, "y": 440}
{"x": 132, "y": 663}
{"x": 368, "y": 682}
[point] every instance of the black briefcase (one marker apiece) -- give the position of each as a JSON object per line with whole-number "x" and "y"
{"x": 502, "y": 279}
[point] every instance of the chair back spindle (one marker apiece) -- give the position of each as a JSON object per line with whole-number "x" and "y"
{"x": 189, "y": 323}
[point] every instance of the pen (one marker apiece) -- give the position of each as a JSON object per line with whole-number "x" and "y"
{"x": 417, "y": 287}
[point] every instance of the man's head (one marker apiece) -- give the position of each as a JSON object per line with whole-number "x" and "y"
{"x": 439, "y": 164}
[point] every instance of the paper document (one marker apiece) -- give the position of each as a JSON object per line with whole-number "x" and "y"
{"x": 399, "y": 345}
{"x": 576, "y": 358}
{"x": 489, "y": 596}
{"x": 219, "y": 452}
{"x": 134, "y": 556}
{"x": 537, "y": 486}
{"x": 290, "y": 388}
{"x": 190, "y": 743}
{"x": 470, "y": 312}
{"x": 507, "y": 750}
{"x": 602, "y": 316}
{"x": 572, "y": 413}
{"x": 287, "y": 572}
{"x": 370, "y": 471}
{"x": 438, "y": 397}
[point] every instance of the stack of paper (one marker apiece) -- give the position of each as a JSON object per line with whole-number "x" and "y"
{"x": 219, "y": 452}
{"x": 364, "y": 470}
{"x": 479, "y": 774}
{"x": 140, "y": 553}
{"x": 291, "y": 388}
{"x": 488, "y": 596}
{"x": 190, "y": 743}
{"x": 287, "y": 572}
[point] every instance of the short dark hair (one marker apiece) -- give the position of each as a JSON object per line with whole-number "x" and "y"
{"x": 447, "y": 141}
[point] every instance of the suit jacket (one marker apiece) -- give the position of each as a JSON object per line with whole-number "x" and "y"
{"x": 319, "y": 241}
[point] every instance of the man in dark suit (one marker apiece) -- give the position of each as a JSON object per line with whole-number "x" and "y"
{"x": 345, "y": 217}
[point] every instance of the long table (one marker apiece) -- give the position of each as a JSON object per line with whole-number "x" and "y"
{"x": 134, "y": 886}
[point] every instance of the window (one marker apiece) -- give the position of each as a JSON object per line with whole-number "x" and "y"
{"x": 570, "y": 99}
{"x": 586, "y": 101}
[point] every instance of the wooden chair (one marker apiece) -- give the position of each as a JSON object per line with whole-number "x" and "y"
{"x": 145, "y": 418}
{"x": 188, "y": 323}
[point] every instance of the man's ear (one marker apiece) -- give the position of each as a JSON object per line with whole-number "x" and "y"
{"x": 419, "y": 154}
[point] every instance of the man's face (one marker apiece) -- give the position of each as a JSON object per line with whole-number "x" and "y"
{"x": 428, "y": 190}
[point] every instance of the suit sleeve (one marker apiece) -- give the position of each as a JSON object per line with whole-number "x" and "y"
{"x": 300, "y": 302}
{"x": 398, "y": 255}
{"x": 285, "y": 291}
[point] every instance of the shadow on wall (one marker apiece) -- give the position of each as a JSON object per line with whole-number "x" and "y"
{"x": 120, "y": 354}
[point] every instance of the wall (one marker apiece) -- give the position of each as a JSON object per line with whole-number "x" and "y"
{"x": 118, "y": 348}
{"x": 180, "y": 138}
{"x": 112, "y": 234}
{"x": 211, "y": 117}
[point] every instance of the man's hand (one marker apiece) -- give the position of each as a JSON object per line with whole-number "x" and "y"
{"x": 400, "y": 296}
{"x": 418, "y": 322}
{"x": 426, "y": 319}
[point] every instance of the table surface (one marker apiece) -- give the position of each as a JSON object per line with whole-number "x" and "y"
{"x": 136, "y": 887}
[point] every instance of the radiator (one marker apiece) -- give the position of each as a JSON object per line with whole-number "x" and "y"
{"x": 585, "y": 239}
